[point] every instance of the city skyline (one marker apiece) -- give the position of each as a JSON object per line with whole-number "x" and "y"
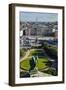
{"x": 39, "y": 17}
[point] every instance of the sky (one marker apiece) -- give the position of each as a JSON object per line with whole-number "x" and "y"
{"x": 39, "y": 17}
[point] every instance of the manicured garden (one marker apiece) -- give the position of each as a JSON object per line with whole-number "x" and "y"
{"x": 41, "y": 64}
{"x": 41, "y": 61}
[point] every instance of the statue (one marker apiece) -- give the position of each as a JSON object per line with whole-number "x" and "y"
{"x": 33, "y": 63}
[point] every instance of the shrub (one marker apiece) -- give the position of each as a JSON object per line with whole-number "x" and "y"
{"x": 51, "y": 71}
{"x": 51, "y": 51}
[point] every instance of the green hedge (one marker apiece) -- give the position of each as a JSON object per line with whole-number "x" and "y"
{"x": 50, "y": 50}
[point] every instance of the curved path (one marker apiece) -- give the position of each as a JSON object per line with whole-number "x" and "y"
{"x": 40, "y": 74}
{"x": 26, "y": 55}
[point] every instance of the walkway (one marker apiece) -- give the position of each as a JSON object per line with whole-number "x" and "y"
{"x": 26, "y": 55}
{"x": 40, "y": 74}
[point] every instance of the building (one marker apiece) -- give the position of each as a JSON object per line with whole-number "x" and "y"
{"x": 55, "y": 31}
{"x": 29, "y": 31}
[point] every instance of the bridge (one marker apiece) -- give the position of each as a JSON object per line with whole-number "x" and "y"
{"x": 39, "y": 37}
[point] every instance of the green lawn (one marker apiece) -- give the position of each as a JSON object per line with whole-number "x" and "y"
{"x": 33, "y": 52}
{"x": 25, "y": 64}
{"x": 41, "y": 64}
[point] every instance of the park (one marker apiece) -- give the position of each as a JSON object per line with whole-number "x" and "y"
{"x": 30, "y": 66}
